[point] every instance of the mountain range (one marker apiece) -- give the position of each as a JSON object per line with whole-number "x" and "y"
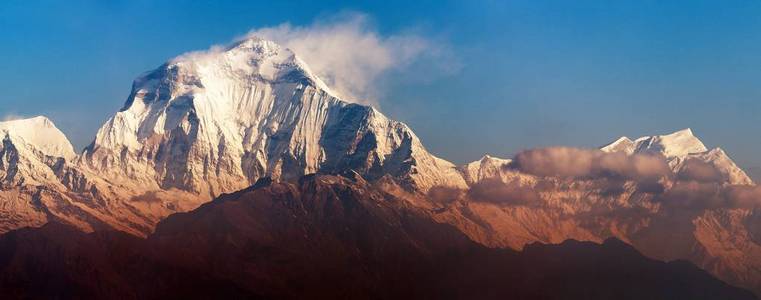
{"x": 327, "y": 237}
{"x": 253, "y": 119}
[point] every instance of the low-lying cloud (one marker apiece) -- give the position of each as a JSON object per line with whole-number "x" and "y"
{"x": 511, "y": 193}
{"x": 350, "y": 55}
{"x": 697, "y": 185}
{"x": 700, "y": 171}
{"x": 445, "y": 194}
{"x": 568, "y": 162}
{"x": 697, "y": 195}
{"x": 743, "y": 196}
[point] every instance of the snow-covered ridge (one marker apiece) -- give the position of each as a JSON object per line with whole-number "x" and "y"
{"x": 680, "y": 143}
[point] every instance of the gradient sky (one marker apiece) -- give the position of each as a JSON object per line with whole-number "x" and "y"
{"x": 530, "y": 73}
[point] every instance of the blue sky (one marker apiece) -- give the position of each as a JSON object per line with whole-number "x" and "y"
{"x": 528, "y": 73}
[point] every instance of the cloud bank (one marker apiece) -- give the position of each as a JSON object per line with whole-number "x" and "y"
{"x": 578, "y": 163}
{"x": 700, "y": 195}
{"x": 510, "y": 193}
{"x": 697, "y": 185}
{"x": 349, "y": 55}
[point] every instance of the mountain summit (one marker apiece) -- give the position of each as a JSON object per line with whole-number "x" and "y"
{"x": 29, "y": 149}
{"x": 214, "y": 122}
{"x": 680, "y": 147}
{"x": 680, "y": 143}
{"x": 38, "y": 132}
{"x": 31, "y": 154}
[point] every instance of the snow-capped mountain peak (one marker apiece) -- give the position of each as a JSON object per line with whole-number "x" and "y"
{"x": 38, "y": 132}
{"x": 677, "y": 144}
{"x": 250, "y": 58}
{"x": 216, "y": 121}
{"x": 485, "y": 168}
{"x": 29, "y": 150}
{"x": 678, "y": 148}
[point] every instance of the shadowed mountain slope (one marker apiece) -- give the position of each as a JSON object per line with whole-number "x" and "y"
{"x": 328, "y": 237}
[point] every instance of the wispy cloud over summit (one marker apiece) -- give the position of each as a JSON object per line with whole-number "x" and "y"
{"x": 350, "y": 55}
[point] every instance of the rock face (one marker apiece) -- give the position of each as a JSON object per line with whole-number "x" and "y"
{"x": 331, "y": 237}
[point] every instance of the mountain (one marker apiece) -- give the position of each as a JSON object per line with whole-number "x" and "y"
{"x": 217, "y": 121}
{"x": 327, "y": 237}
{"x": 679, "y": 147}
{"x": 29, "y": 147}
{"x": 677, "y": 144}
{"x": 32, "y": 154}
{"x": 484, "y": 168}
{"x": 676, "y": 217}
{"x": 38, "y": 132}
{"x": 211, "y": 122}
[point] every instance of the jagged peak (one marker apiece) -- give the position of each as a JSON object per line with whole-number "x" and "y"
{"x": 41, "y": 133}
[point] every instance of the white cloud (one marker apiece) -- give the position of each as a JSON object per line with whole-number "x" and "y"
{"x": 349, "y": 55}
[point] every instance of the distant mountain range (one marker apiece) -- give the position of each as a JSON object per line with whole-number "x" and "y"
{"x": 209, "y": 123}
